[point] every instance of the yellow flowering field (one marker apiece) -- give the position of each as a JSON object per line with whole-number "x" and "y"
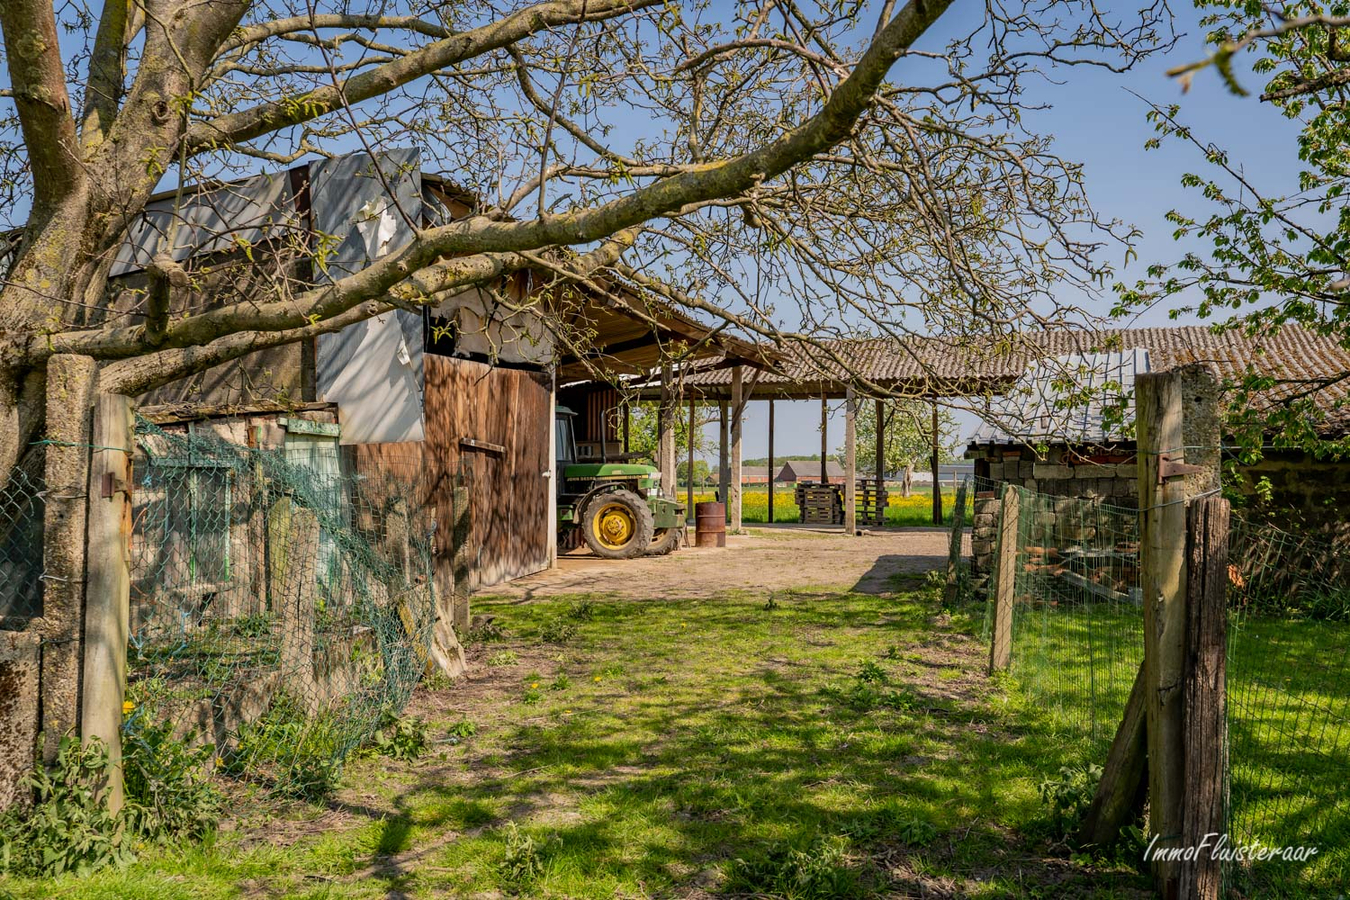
{"x": 916, "y": 509}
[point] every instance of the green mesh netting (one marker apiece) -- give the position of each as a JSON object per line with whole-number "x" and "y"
{"x": 1288, "y": 707}
{"x": 280, "y": 602}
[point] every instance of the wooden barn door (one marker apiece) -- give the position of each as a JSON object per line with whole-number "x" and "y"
{"x": 491, "y": 426}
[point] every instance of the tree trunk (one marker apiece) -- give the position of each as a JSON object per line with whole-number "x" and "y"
{"x": 907, "y": 480}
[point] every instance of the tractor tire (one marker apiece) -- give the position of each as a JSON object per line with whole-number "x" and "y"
{"x": 617, "y": 525}
{"x": 666, "y": 540}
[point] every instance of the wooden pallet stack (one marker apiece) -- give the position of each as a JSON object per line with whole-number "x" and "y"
{"x": 871, "y": 502}
{"x": 820, "y": 504}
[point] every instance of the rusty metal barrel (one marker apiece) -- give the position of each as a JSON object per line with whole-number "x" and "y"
{"x": 710, "y": 523}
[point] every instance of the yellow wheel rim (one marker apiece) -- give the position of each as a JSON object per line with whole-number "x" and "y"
{"x": 614, "y": 526}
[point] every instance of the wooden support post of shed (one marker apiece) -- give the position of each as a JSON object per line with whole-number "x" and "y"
{"x": 850, "y": 463}
{"x": 689, "y": 473}
{"x": 723, "y": 468}
{"x": 737, "y": 427}
{"x": 937, "y": 485}
{"x": 1177, "y": 438}
{"x": 108, "y": 585}
{"x": 824, "y": 441}
{"x": 881, "y": 456}
{"x": 771, "y": 472}
{"x": 70, "y": 400}
{"x": 1205, "y": 736}
{"x": 1000, "y": 647}
{"x": 627, "y": 425}
{"x": 666, "y": 443}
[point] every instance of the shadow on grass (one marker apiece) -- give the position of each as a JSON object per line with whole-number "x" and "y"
{"x": 748, "y": 754}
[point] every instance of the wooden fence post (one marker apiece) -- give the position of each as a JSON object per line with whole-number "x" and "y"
{"x": 1175, "y": 420}
{"x": 1000, "y": 648}
{"x": 108, "y": 583}
{"x": 1204, "y": 686}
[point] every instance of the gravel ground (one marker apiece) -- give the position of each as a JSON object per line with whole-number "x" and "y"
{"x": 766, "y": 558}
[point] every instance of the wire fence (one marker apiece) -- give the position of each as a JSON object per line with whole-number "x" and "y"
{"x": 1077, "y": 618}
{"x": 1077, "y": 643}
{"x": 282, "y": 603}
{"x": 1288, "y": 708}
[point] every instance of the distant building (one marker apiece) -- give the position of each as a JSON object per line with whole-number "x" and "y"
{"x": 809, "y": 470}
{"x": 754, "y": 474}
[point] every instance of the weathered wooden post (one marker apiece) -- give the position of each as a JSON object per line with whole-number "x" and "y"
{"x": 1176, "y": 419}
{"x": 737, "y": 428}
{"x": 665, "y": 452}
{"x": 108, "y": 583}
{"x": 70, "y": 399}
{"x": 1204, "y": 686}
{"x": 723, "y": 466}
{"x": 771, "y": 471}
{"x": 935, "y": 460}
{"x": 824, "y": 441}
{"x": 295, "y": 535}
{"x": 689, "y": 474}
{"x": 1000, "y": 647}
{"x": 850, "y": 463}
{"x": 954, "y": 547}
{"x": 881, "y": 462}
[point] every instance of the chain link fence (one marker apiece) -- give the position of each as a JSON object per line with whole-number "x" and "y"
{"x": 281, "y": 602}
{"x": 21, "y": 512}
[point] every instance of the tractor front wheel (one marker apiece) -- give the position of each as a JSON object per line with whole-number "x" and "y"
{"x": 666, "y": 540}
{"x": 617, "y": 525}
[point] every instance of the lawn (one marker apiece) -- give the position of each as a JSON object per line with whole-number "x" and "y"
{"x": 806, "y": 744}
{"x": 916, "y": 509}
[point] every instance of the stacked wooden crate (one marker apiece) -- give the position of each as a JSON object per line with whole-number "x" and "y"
{"x": 820, "y": 504}
{"x": 871, "y": 502}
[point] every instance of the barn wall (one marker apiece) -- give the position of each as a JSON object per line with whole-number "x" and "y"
{"x": 509, "y": 493}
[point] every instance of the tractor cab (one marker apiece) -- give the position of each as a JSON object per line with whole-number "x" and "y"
{"x": 617, "y": 509}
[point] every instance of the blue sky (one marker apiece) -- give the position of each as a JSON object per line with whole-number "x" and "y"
{"x": 1096, "y": 119}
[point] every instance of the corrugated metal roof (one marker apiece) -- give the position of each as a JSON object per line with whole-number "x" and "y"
{"x": 1066, "y": 398}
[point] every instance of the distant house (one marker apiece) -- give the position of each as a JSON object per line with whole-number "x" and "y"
{"x": 809, "y": 470}
{"x": 754, "y": 474}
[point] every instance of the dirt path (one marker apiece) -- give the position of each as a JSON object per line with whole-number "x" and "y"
{"x": 767, "y": 558}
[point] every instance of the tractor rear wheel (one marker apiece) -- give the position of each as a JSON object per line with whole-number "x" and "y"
{"x": 617, "y": 525}
{"x": 665, "y": 540}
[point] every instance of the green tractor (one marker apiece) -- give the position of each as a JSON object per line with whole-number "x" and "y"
{"x": 616, "y": 508}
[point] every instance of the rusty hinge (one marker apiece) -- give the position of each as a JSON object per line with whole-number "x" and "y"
{"x": 112, "y": 484}
{"x": 1175, "y": 468}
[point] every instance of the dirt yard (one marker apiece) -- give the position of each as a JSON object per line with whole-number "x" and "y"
{"x": 766, "y": 558}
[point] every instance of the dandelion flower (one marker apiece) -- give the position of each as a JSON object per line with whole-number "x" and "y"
{"x": 127, "y": 706}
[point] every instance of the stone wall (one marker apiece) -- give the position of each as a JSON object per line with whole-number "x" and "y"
{"x": 1295, "y": 491}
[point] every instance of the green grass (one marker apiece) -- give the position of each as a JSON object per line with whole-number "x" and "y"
{"x": 826, "y": 745}
{"x": 916, "y": 509}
